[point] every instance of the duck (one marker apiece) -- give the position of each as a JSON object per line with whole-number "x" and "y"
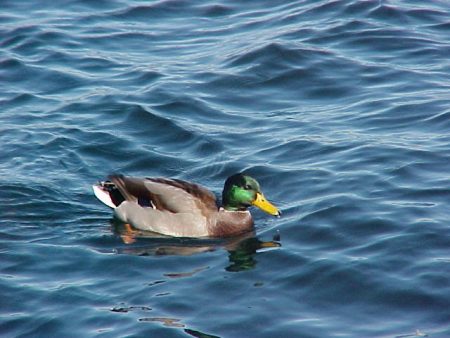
{"x": 178, "y": 208}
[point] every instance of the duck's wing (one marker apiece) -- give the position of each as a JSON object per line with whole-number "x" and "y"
{"x": 171, "y": 195}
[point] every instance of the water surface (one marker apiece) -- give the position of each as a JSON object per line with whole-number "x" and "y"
{"x": 339, "y": 108}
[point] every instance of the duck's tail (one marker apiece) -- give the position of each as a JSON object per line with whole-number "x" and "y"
{"x": 108, "y": 193}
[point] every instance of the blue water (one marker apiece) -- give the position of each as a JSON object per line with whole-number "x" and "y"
{"x": 341, "y": 110}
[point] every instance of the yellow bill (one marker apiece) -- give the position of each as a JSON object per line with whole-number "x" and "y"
{"x": 265, "y": 205}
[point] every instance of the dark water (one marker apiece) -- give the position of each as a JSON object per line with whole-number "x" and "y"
{"x": 341, "y": 109}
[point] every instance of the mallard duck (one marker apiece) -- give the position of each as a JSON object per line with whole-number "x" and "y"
{"x": 181, "y": 209}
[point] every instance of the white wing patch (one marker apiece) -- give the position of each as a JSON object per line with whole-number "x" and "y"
{"x": 103, "y": 196}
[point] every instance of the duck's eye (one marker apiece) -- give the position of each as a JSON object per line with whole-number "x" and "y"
{"x": 248, "y": 187}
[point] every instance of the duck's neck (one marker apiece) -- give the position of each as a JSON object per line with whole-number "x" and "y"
{"x": 232, "y": 208}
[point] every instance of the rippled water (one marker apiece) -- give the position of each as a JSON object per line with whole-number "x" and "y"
{"x": 339, "y": 108}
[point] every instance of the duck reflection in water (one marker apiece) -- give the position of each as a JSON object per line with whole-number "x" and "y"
{"x": 241, "y": 249}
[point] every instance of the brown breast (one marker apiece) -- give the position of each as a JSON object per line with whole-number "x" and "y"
{"x": 230, "y": 223}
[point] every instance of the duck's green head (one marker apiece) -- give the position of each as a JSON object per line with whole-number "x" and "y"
{"x": 241, "y": 191}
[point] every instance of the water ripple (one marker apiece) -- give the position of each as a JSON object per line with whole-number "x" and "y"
{"x": 340, "y": 109}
